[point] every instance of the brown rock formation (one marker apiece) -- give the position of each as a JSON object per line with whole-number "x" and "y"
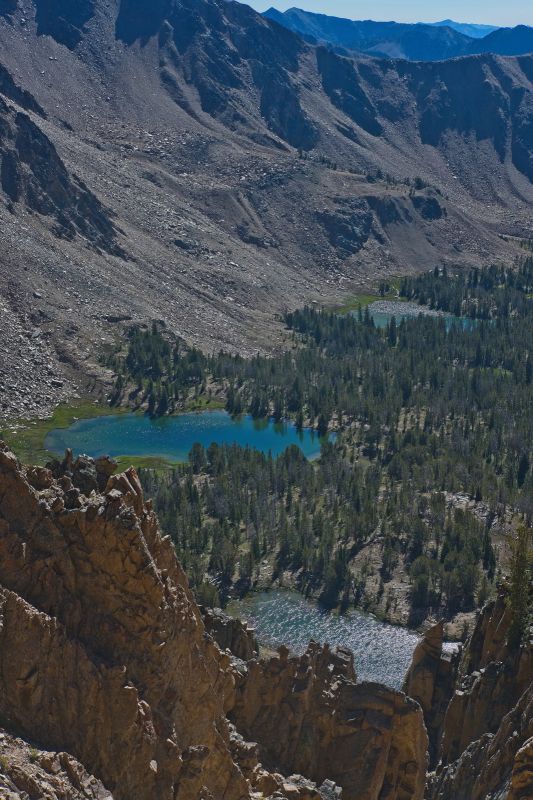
{"x": 430, "y": 681}
{"x": 491, "y": 679}
{"x": 478, "y": 709}
{"x": 495, "y": 765}
{"x": 105, "y": 659}
{"x": 310, "y": 716}
{"x": 522, "y": 776}
{"x": 231, "y": 634}
{"x": 104, "y": 655}
{"x": 102, "y": 649}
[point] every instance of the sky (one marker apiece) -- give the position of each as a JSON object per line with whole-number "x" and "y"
{"x": 488, "y": 12}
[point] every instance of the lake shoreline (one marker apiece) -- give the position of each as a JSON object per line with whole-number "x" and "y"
{"x": 283, "y": 616}
{"x": 170, "y": 438}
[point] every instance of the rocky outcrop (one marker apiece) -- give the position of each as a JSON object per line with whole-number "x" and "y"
{"x": 348, "y": 225}
{"x": 309, "y": 716}
{"x": 491, "y": 679}
{"x": 478, "y": 709}
{"x": 342, "y": 83}
{"x": 522, "y": 775}
{"x": 231, "y": 634}
{"x": 430, "y": 681}
{"x": 495, "y": 766}
{"x": 106, "y": 663}
{"x": 27, "y": 772}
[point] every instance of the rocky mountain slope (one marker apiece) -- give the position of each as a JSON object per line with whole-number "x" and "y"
{"x": 111, "y": 687}
{"x": 196, "y": 163}
{"x": 415, "y": 42}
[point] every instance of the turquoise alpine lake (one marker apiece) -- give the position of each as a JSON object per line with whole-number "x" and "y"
{"x": 171, "y": 438}
{"x": 382, "y": 311}
{"x": 382, "y": 652}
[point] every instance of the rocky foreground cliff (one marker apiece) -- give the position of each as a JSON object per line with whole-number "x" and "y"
{"x": 478, "y": 710}
{"x": 112, "y": 687}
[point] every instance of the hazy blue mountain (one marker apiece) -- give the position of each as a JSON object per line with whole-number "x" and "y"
{"x": 396, "y": 40}
{"x": 467, "y": 28}
{"x": 416, "y": 42}
{"x": 506, "y": 42}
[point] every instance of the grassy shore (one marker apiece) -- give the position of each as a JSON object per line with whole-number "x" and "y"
{"x": 145, "y": 462}
{"x": 362, "y": 299}
{"x": 26, "y": 437}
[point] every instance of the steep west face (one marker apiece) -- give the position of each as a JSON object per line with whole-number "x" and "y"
{"x": 221, "y": 49}
{"x": 32, "y": 175}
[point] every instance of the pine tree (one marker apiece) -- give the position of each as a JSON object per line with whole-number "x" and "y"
{"x": 521, "y": 562}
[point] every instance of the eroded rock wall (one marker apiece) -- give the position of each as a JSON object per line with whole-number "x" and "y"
{"x": 478, "y": 711}
{"x": 309, "y": 715}
{"x": 104, "y": 655}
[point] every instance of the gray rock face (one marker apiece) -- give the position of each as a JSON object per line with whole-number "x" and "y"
{"x": 63, "y": 20}
{"x": 33, "y": 175}
{"x": 348, "y": 226}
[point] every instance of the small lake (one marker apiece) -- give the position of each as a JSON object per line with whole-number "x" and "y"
{"x": 382, "y": 652}
{"x": 382, "y": 311}
{"x": 171, "y": 438}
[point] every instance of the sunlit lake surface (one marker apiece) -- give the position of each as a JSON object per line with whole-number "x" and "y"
{"x": 382, "y": 652}
{"x": 382, "y": 311}
{"x": 171, "y": 438}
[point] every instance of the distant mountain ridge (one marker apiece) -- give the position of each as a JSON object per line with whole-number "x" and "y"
{"x": 467, "y": 28}
{"x": 414, "y": 42}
